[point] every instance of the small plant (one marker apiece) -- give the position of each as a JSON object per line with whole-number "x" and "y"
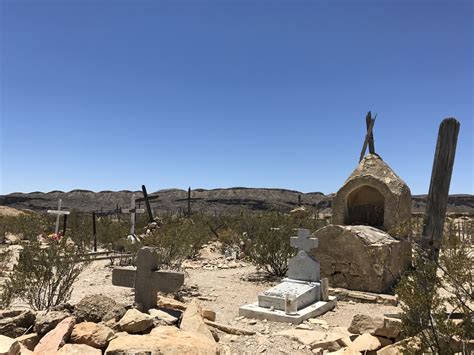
{"x": 436, "y": 297}
{"x": 43, "y": 277}
{"x": 178, "y": 239}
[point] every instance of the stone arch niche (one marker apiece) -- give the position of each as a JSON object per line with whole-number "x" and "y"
{"x": 372, "y": 195}
{"x": 365, "y": 206}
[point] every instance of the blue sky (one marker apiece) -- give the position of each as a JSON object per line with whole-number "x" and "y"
{"x": 109, "y": 95}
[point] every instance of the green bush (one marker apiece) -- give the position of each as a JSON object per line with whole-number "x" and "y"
{"x": 43, "y": 277}
{"x": 179, "y": 238}
{"x": 27, "y": 226}
{"x": 434, "y": 291}
{"x": 266, "y": 237}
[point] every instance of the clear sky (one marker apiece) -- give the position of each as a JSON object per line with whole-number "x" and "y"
{"x": 109, "y": 95}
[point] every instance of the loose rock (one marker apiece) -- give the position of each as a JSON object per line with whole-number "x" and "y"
{"x": 78, "y": 349}
{"x": 9, "y": 346}
{"x": 135, "y": 321}
{"x": 192, "y": 320}
{"x": 55, "y": 338}
{"x": 92, "y": 334}
{"x": 45, "y": 321}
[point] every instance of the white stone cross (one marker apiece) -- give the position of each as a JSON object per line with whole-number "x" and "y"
{"x": 303, "y": 266}
{"x": 146, "y": 279}
{"x": 58, "y": 214}
{"x": 303, "y": 241}
{"x": 132, "y": 210}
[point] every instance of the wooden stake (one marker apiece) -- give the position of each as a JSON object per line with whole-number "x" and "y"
{"x": 436, "y": 205}
{"x": 94, "y": 231}
{"x": 147, "y": 203}
{"x": 189, "y": 201}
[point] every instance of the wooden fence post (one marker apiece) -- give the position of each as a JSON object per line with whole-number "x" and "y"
{"x": 436, "y": 205}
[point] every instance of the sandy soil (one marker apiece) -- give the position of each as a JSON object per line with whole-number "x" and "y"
{"x": 224, "y": 290}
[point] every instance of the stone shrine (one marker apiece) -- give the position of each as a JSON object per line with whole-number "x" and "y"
{"x": 302, "y": 291}
{"x": 367, "y": 246}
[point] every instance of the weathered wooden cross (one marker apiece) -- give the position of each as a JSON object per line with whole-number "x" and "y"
{"x": 58, "y": 214}
{"x": 132, "y": 210}
{"x": 147, "y": 279}
{"x": 369, "y": 137}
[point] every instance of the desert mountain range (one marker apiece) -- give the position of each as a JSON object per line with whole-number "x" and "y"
{"x": 228, "y": 200}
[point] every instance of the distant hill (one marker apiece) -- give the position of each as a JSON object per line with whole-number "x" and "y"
{"x": 231, "y": 200}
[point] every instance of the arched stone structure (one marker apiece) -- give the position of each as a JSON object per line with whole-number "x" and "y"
{"x": 372, "y": 195}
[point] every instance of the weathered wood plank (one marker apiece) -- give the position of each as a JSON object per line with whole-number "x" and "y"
{"x": 436, "y": 205}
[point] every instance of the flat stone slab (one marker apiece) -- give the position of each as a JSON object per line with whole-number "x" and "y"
{"x": 316, "y": 309}
{"x": 306, "y": 293}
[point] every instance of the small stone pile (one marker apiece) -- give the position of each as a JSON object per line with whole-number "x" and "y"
{"x": 98, "y": 325}
{"x": 366, "y": 335}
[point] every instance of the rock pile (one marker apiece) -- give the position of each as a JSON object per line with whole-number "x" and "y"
{"x": 98, "y": 325}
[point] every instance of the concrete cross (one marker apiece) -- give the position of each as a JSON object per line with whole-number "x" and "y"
{"x": 303, "y": 241}
{"x": 146, "y": 279}
{"x": 132, "y": 210}
{"x": 58, "y": 214}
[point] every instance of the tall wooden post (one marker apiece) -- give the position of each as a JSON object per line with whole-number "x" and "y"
{"x": 64, "y": 224}
{"x": 147, "y": 203}
{"x": 94, "y": 231}
{"x": 432, "y": 236}
{"x": 299, "y": 200}
{"x": 189, "y": 201}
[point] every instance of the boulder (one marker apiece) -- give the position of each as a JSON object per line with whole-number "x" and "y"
{"x": 365, "y": 343}
{"x": 9, "y": 346}
{"x": 164, "y": 340}
{"x": 162, "y": 317}
{"x": 380, "y": 326}
{"x": 96, "y": 308}
{"x": 29, "y": 341}
{"x": 92, "y": 334}
{"x": 78, "y": 349}
{"x": 55, "y": 338}
{"x": 192, "y": 320}
{"x": 45, "y": 321}
{"x": 135, "y": 321}
{"x": 14, "y": 323}
{"x": 360, "y": 258}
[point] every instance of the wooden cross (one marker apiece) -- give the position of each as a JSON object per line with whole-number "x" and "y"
{"x": 58, "y": 214}
{"x": 369, "y": 137}
{"x": 146, "y": 279}
{"x": 132, "y": 210}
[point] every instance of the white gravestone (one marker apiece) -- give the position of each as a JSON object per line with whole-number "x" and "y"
{"x": 303, "y": 277}
{"x": 299, "y": 296}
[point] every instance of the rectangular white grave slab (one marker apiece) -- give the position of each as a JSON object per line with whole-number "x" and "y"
{"x": 316, "y": 309}
{"x": 306, "y": 293}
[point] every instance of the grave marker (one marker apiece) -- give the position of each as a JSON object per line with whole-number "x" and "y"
{"x": 146, "y": 279}
{"x": 58, "y": 214}
{"x": 133, "y": 210}
{"x": 303, "y": 266}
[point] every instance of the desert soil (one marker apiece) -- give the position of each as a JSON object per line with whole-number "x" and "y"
{"x": 224, "y": 290}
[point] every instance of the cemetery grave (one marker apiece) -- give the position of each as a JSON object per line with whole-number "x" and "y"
{"x": 208, "y": 306}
